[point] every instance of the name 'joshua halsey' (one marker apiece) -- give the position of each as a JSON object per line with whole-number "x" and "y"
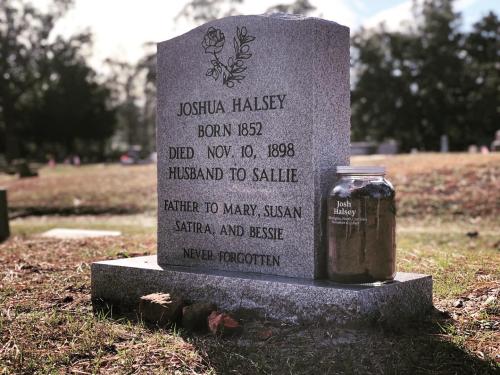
{"x": 251, "y": 104}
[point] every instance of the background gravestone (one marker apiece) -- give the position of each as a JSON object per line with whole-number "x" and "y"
{"x": 252, "y": 117}
{"x": 4, "y": 216}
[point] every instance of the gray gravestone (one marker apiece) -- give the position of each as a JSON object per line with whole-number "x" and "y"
{"x": 444, "y": 144}
{"x": 4, "y": 216}
{"x": 253, "y": 116}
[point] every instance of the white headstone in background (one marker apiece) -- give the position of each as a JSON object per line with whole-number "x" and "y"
{"x": 65, "y": 233}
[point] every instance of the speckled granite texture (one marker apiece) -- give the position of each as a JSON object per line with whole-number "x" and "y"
{"x": 289, "y": 77}
{"x": 304, "y": 64}
{"x": 124, "y": 281}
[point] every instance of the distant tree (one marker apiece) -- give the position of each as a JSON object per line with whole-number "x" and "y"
{"x": 483, "y": 72}
{"x": 147, "y": 68}
{"x": 24, "y": 41}
{"x": 440, "y": 73}
{"x": 409, "y": 85}
{"x": 49, "y": 96}
{"x": 303, "y": 7}
{"x": 124, "y": 82}
{"x": 73, "y": 105}
{"x": 134, "y": 95}
{"x": 200, "y": 11}
{"x": 384, "y": 102}
{"x": 418, "y": 84}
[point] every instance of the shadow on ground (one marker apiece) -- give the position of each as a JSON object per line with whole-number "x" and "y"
{"x": 270, "y": 347}
{"x": 328, "y": 350}
{"x": 15, "y": 212}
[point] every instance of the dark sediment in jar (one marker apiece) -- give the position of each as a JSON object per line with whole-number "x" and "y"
{"x": 361, "y": 232}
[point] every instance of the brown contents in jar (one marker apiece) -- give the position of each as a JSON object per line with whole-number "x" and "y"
{"x": 361, "y": 231}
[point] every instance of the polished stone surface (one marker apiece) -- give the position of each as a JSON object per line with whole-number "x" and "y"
{"x": 286, "y": 78}
{"x": 124, "y": 281}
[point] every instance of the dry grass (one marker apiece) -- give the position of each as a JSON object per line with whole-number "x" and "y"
{"x": 443, "y": 184}
{"x": 47, "y": 324}
{"x": 46, "y": 319}
{"x": 94, "y": 189}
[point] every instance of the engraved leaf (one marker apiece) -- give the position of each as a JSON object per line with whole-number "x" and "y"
{"x": 239, "y": 70}
{"x": 231, "y": 73}
{"x": 216, "y": 66}
{"x": 236, "y": 45}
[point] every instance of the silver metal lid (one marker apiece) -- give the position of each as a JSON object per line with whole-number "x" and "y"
{"x": 360, "y": 170}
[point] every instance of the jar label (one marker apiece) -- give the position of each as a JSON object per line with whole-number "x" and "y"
{"x": 345, "y": 211}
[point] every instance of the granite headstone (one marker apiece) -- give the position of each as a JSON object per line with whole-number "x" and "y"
{"x": 252, "y": 117}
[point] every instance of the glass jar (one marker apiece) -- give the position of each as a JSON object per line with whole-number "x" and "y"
{"x": 361, "y": 226}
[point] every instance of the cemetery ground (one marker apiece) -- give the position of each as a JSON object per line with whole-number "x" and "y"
{"x": 448, "y": 226}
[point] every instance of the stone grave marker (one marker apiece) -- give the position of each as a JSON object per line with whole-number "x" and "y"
{"x": 252, "y": 118}
{"x": 248, "y": 136}
{"x": 4, "y": 216}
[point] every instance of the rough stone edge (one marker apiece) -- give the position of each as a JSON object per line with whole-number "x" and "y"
{"x": 122, "y": 282}
{"x": 279, "y": 16}
{"x": 331, "y": 122}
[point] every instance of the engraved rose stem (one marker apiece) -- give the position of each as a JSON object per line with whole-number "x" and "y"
{"x": 220, "y": 63}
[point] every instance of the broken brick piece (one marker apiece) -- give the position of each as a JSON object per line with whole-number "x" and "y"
{"x": 222, "y": 324}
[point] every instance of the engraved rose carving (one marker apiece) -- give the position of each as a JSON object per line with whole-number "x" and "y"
{"x": 213, "y": 41}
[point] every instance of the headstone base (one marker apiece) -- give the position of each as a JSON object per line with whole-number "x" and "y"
{"x": 122, "y": 282}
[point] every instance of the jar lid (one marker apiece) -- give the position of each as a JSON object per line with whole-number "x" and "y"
{"x": 360, "y": 170}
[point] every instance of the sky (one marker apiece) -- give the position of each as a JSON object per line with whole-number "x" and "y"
{"x": 121, "y": 28}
